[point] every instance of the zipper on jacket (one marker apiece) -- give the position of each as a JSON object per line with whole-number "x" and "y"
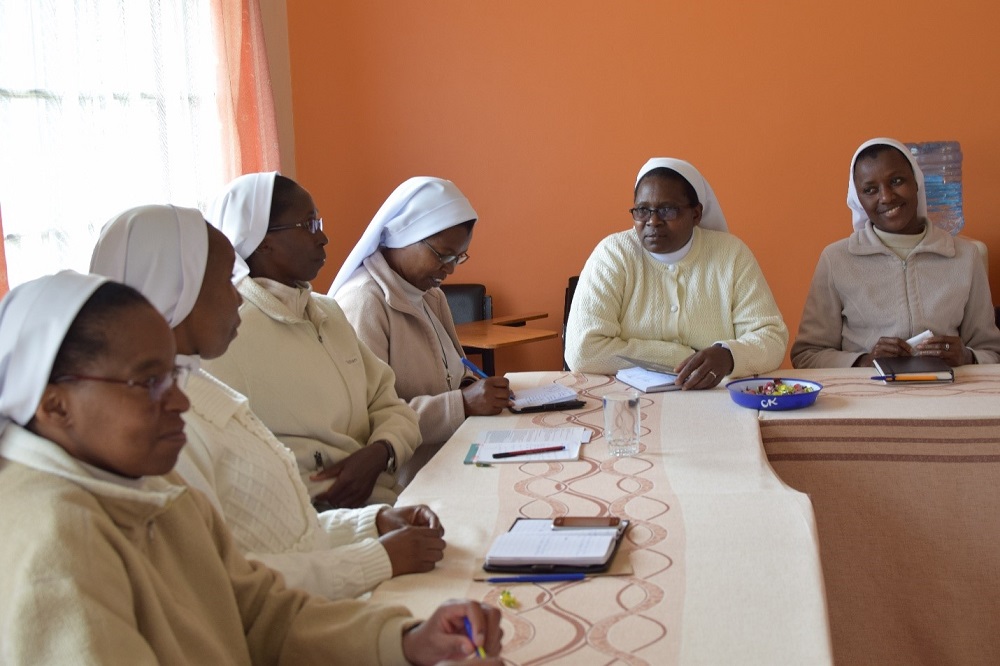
{"x": 906, "y": 289}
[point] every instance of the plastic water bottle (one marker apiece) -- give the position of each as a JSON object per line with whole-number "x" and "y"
{"x": 941, "y": 162}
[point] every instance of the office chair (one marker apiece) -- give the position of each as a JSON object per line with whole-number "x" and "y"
{"x": 470, "y": 302}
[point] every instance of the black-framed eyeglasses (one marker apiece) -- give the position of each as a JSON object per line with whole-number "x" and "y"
{"x": 157, "y": 385}
{"x": 448, "y": 258}
{"x": 313, "y": 225}
{"x": 665, "y": 213}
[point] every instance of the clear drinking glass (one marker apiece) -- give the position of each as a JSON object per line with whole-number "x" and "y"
{"x": 622, "y": 418}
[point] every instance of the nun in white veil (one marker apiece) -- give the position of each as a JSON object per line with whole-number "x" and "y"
{"x": 389, "y": 290}
{"x": 876, "y": 292}
{"x": 322, "y": 393}
{"x": 677, "y": 290}
{"x": 108, "y": 558}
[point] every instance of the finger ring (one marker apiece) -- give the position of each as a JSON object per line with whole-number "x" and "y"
{"x": 947, "y": 346}
{"x": 712, "y": 372}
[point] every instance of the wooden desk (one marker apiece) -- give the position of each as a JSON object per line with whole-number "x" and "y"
{"x": 905, "y": 485}
{"x": 483, "y": 337}
{"x": 725, "y": 558}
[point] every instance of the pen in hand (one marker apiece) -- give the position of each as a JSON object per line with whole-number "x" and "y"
{"x": 468, "y": 632}
{"x": 474, "y": 368}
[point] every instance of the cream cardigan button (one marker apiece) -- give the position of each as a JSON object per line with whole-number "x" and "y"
{"x": 673, "y": 308}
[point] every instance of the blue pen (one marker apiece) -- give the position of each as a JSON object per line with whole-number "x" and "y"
{"x": 537, "y": 578}
{"x": 472, "y": 366}
{"x": 468, "y": 632}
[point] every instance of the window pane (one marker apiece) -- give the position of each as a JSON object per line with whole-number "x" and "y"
{"x": 110, "y": 104}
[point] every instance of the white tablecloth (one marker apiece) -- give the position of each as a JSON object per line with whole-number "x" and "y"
{"x": 725, "y": 556}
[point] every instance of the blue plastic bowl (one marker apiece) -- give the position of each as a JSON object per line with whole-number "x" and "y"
{"x": 737, "y": 390}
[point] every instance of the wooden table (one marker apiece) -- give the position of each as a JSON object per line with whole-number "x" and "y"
{"x": 724, "y": 555}
{"x": 905, "y": 484}
{"x": 485, "y": 336}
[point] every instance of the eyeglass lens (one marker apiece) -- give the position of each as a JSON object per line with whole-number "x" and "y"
{"x": 665, "y": 213}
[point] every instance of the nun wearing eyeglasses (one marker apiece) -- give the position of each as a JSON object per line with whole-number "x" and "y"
{"x": 184, "y": 267}
{"x": 389, "y": 290}
{"x": 107, "y": 557}
{"x": 678, "y": 290}
{"x": 297, "y": 359}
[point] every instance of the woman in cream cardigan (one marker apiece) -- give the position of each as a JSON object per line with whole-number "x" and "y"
{"x": 389, "y": 290}
{"x": 677, "y": 290}
{"x": 108, "y": 558}
{"x": 184, "y": 267}
{"x": 318, "y": 388}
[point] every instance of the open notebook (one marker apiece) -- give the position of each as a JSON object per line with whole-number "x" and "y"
{"x": 533, "y": 545}
{"x": 550, "y": 397}
{"x": 647, "y": 376}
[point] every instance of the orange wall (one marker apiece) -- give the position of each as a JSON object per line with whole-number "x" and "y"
{"x": 542, "y": 112}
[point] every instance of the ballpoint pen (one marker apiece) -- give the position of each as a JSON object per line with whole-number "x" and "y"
{"x": 526, "y": 452}
{"x": 537, "y": 578}
{"x": 468, "y": 632}
{"x": 474, "y": 368}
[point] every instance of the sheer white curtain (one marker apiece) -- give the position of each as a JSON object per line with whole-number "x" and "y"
{"x": 104, "y": 104}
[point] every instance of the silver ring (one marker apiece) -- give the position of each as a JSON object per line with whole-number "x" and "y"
{"x": 712, "y": 372}
{"x": 947, "y": 346}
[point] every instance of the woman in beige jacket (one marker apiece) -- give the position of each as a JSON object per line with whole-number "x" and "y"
{"x": 388, "y": 289}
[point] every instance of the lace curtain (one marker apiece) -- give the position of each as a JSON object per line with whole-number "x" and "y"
{"x": 109, "y": 104}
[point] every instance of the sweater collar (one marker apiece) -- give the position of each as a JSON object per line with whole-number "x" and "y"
{"x": 399, "y": 294}
{"x": 691, "y": 251}
{"x": 211, "y": 399}
{"x": 290, "y": 305}
{"x": 127, "y": 501}
{"x": 936, "y": 241}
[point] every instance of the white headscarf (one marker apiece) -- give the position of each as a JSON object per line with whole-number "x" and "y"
{"x": 711, "y": 211}
{"x": 417, "y": 209}
{"x": 242, "y": 213}
{"x": 858, "y": 215}
{"x": 160, "y": 251}
{"x": 34, "y": 319}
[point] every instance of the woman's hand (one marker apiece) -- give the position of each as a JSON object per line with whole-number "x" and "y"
{"x": 704, "y": 369}
{"x": 418, "y": 515}
{"x": 413, "y": 549}
{"x": 884, "y": 347}
{"x": 442, "y": 635}
{"x": 412, "y": 536}
{"x": 486, "y": 397}
{"x": 948, "y": 348}
{"x": 356, "y": 475}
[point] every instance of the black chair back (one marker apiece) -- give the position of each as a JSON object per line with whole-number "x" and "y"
{"x": 468, "y": 302}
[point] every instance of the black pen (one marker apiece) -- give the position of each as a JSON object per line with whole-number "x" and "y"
{"x": 527, "y": 452}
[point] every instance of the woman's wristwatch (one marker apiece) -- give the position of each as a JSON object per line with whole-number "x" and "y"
{"x": 390, "y": 466}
